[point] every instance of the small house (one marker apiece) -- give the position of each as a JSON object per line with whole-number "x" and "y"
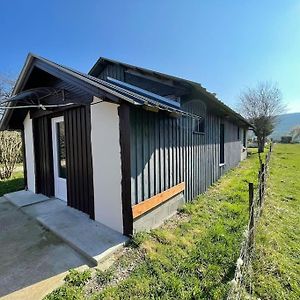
{"x": 287, "y": 139}
{"x": 125, "y": 145}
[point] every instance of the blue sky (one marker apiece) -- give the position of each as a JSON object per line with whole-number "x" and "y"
{"x": 224, "y": 45}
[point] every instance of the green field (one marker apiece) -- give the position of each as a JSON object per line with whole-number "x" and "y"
{"x": 277, "y": 262}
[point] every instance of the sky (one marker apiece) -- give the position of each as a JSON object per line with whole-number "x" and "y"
{"x": 224, "y": 45}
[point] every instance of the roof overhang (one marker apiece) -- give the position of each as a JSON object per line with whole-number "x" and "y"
{"x": 91, "y": 85}
{"x": 213, "y": 100}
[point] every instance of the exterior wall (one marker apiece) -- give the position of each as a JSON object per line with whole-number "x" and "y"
{"x": 29, "y": 150}
{"x": 106, "y": 156}
{"x": 244, "y": 154}
{"x": 233, "y": 146}
{"x": 79, "y": 159}
{"x": 114, "y": 71}
{"x": 165, "y": 152}
{"x": 43, "y": 154}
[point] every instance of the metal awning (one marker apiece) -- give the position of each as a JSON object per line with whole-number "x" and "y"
{"x": 33, "y": 95}
{"x": 32, "y": 99}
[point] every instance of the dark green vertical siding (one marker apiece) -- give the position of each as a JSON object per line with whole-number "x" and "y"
{"x": 43, "y": 156}
{"x": 165, "y": 152}
{"x": 79, "y": 159}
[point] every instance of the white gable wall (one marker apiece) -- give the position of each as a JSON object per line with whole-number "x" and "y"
{"x": 29, "y": 150}
{"x": 106, "y": 153}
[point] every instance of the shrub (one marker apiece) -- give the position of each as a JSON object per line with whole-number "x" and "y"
{"x": 104, "y": 277}
{"x": 10, "y": 152}
{"x": 66, "y": 293}
{"x": 78, "y": 279}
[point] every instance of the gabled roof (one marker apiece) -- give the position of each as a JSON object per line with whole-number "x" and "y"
{"x": 95, "y": 86}
{"x": 103, "y": 62}
{"x": 109, "y": 90}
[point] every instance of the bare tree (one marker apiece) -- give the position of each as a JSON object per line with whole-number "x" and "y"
{"x": 260, "y": 106}
{"x": 10, "y": 141}
{"x": 6, "y": 87}
{"x": 295, "y": 133}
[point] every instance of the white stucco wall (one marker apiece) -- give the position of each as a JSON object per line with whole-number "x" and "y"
{"x": 29, "y": 150}
{"x": 106, "y": 164}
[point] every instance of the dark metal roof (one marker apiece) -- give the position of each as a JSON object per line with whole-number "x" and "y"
{"x": 102, "y": 62}
{"x": 123, "y": 93}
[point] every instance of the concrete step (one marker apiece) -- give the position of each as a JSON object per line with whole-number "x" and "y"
{"x": 92, "y": 239}
{"x": 25, "y": 198}
{"x": 2, "y": 200}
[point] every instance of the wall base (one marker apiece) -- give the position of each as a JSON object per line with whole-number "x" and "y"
{"x": 155, "y": 217}
{"x": 244, "y": 155}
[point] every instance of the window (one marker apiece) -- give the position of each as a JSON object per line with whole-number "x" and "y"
{"x": 199, "y": 125}
{"x": 222, "y": 144}
{"x": 238, "y": 134}
{"x": 61, "y": 150}
{"x": 244, "y": 138}
{"x": 198, "y": 108}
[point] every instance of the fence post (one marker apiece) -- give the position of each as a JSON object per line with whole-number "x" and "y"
{"x": 260, "y": 160}
{"x": 263, "y": 171}
{"x": 251, "y": 215}
{"x": 259, "y": 188}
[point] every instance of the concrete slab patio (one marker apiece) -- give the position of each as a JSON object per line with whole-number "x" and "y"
{"x": 41, "y": 238}
{"x": 33, "y": 261}
{"x": 92, "y": 239}
{"x": 23, "y": 198}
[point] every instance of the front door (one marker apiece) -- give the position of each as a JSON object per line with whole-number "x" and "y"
{"x": 59, "y": 158}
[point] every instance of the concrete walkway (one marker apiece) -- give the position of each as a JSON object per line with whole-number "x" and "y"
{"x": 33, "y": 261}
{"x": 92, "y": 239}
{"x": 41, "y": 239}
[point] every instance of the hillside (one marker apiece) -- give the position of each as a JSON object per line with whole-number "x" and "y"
{"x": 286, "y": 123}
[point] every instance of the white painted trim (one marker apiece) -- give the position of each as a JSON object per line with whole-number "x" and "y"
{"x": 29, "y": 152}
{"x": 106, "y": 155}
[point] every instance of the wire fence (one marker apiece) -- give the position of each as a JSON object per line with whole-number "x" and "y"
{"x": 241, "y": 284}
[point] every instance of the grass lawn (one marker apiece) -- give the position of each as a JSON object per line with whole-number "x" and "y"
{"x": 191, "y": 257}
{"x": 277, "y": 263}
{"x": 15, "y": 183}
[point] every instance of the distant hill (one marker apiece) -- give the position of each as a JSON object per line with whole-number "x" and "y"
{"x": 286, "y": 123}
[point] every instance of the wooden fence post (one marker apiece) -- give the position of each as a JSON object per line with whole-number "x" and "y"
{"x": 259, "y": 188}
{"x": 251, "y": 197}
{"x": 251, "y": 215}
{"x": 260, "y": 160}
{"x": 263, "y": 171}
